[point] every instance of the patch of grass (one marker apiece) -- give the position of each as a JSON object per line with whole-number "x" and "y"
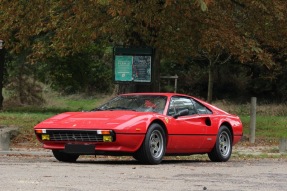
{"x": 76, "y": 102}
{"x": 271, "y": 119}
{"x": 26, "y": 117}
{"x": 25, "y": 122}
{"x": 259, "y": 156}
{"x": 262, "y": 109}
{"x": 268, "y": 127}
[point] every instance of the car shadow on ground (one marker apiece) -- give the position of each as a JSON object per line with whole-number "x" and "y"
{"x": 135, "y": 162}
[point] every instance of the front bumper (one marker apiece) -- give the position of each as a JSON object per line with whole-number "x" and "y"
{"x": 103, "y": 142}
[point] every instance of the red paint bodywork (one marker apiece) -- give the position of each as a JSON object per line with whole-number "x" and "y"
{"x": 185, "y": 134}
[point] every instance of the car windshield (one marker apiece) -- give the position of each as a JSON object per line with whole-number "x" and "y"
{"x": 144, "y": 103}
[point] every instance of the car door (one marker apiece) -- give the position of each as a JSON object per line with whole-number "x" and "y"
{"x": 186, "y": 133}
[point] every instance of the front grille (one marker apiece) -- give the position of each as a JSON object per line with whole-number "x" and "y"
{"x": 78, "y": 136}
{"x": 75, "y": 136}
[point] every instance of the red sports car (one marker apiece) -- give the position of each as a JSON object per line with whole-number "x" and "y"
{"x": 147, "y": 126}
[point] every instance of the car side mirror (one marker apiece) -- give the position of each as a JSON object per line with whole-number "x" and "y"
{"x": 181, "y": 113}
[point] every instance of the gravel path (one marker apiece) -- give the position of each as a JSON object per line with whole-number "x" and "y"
{"x": 38, "y": 170}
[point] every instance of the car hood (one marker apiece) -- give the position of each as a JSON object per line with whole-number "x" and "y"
{"x": 97, "y": 120}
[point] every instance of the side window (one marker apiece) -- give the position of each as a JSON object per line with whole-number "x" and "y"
{"x": 180, "y": 103}
{"x": 201, "y": 109}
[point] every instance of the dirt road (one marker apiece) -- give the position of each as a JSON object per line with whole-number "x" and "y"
{"x": 43, "y": 172}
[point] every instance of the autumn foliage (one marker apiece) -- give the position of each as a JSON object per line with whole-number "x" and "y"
{"x": 209, "y": 35}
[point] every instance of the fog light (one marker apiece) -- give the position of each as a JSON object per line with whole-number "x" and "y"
{"x": 45, "y": 137}
{"x": 107, "y": 138}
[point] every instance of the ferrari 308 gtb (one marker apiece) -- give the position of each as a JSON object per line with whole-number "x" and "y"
{"x": 147, "y": 126}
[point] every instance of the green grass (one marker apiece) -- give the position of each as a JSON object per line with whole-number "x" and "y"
{"x": 26, "y": 117}
{"x": 268, "y": 127}
{"x": 25, "y": 122}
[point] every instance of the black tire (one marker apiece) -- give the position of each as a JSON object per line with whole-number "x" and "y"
{"x": 153, "y": 147}
{"x": 222, "y": 149}
{"x": 65, "y": 157}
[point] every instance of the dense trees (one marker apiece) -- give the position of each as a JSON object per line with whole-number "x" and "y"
{"x": 207, "y": 42}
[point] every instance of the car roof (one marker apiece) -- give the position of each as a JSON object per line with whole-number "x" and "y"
{"x": 210, "y": 106}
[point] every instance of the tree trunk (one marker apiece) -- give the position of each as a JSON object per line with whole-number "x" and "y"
{"x": 21, "y": 89}
{"x": 156, "y": 72}
{"x": 210, "y": 81}
{"x": 2, "y": 67}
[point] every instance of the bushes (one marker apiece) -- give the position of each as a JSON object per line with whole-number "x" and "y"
{"x": 87, "y": 72}
{"x": 233, "y": 81}
{"x": 90, "y": 72}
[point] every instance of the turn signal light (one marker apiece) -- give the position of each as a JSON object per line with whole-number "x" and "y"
{"x": 104, "y": 132}
{"x": 39, "y": 131}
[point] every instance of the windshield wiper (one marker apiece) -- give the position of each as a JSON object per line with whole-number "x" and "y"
{"x": 97, "y": 109}
{"x": 120, "y": 108}
{"x": 112, "y": 108}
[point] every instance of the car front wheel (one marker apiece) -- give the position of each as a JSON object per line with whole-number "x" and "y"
{"x": 153, "y": 147}
{"x": 65, "y": 157}
{"x": 223, "y": 146}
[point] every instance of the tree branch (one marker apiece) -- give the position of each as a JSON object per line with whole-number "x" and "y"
{"x": 238, "y": 3}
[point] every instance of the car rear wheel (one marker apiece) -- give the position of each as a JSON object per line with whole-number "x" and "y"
{"x": 223, "y": 146}
{"x": 153, "y": 147}
{"x": 65, "y": 157}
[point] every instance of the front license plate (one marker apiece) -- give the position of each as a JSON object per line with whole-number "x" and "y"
{"x": 79, "y": 149}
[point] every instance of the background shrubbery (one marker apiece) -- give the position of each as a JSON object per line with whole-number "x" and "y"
{"x": 90, "y": 74}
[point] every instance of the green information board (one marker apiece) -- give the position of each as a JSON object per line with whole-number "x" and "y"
{"x": 142, "y": 68}
{"x": 123, "y": 68}
{"x": 133, "y": 65}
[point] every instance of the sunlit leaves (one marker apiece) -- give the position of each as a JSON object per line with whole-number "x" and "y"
{"x": 203, "y": 4}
